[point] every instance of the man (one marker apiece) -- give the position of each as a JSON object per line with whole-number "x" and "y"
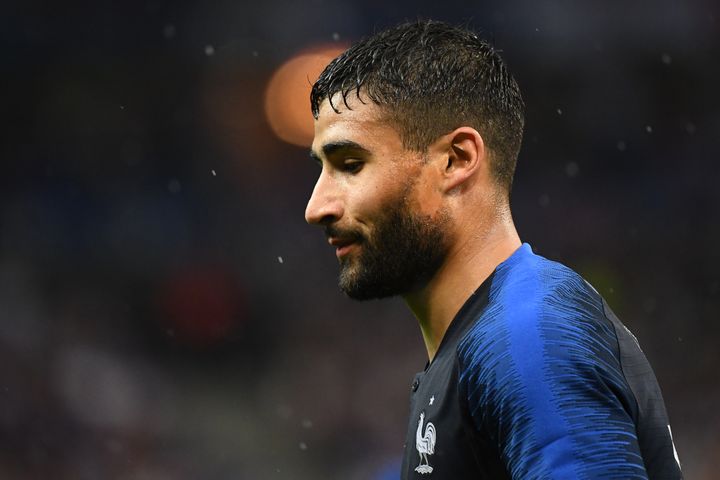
{"x": 530, "y": 374}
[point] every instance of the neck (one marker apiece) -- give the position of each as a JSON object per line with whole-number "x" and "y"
{"x": 470, "y": 262}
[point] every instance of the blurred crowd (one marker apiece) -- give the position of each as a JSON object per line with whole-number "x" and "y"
{"x": 166, "y": 313}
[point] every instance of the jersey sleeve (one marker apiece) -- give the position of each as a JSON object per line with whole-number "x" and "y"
{"x": 543, "y": 382}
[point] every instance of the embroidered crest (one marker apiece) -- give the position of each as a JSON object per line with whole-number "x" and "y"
{"x": 425, "y": 444}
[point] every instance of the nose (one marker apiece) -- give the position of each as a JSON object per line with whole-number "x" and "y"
{"x": 325, "y": 205}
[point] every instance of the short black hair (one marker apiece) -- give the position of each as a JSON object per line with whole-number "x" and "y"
{"x": 430, "y": 78}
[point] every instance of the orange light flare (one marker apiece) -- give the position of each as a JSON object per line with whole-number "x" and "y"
{"x": 287, "y": 97}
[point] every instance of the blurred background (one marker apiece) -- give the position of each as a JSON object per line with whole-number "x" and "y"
{"x": 166, "y": 313}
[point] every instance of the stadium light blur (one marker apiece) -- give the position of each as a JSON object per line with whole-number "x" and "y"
{"x": 287, "y": 97}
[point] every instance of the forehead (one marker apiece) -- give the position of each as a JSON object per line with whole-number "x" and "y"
{"x": 357, "y": 120}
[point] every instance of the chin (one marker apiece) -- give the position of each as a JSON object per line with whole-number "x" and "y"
{"x": 357, "y": 289}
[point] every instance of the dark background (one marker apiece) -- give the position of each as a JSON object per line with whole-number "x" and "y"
{"x": 165, "y": 313}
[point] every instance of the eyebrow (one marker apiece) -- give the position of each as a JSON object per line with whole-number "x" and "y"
{"x": 336, "y": 148}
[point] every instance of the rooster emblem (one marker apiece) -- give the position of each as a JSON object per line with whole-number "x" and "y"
{"x": 425, "y": 444}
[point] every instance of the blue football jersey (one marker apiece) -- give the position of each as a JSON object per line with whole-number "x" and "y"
{"x": 536, "y": 378}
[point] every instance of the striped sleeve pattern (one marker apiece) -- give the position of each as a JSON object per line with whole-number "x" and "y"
{"x": 541, "y": 374}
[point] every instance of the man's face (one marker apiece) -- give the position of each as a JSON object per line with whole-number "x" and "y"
{"x": 376, "y": 202}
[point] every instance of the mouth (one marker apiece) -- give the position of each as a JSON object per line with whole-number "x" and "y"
{"x": 342, "y": 245}
{"x": 344, "y": 240}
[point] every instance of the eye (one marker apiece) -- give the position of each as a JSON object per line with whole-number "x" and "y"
{"x": 352, "y": 166}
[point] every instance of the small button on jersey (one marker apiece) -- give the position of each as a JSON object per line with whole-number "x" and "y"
{"x": 537, "y": 378}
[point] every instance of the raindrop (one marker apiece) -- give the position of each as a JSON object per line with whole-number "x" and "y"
{"x": 209, "y": 50}
{"x": 174, "y": 186}
{"x": 559, "y": 111}
{"x": 572, "y": 169}
{"x": 648, "y": 129}
{"x": 169, "y": 31}
{"x": 122, "y": 107}
{"x": 255, "y": 53}
{"x": 336, "y": 36}
{"x": 306, "y": 423}
{"x": 621, "y": 145}
{"x": 666, "y": 59}
{"x": 303, "y": 446}
{"x": 690, "y": 128}
{"x": 284, "y": 411}
{"x": 214, "y": 174}
{"x": 544, "y": 200}
{"x": 280, "y": 260}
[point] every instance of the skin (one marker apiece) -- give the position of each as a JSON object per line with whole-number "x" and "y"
{"x": 365, "y": 168}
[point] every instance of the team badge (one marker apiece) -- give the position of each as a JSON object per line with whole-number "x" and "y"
{"x": 425, "y": 444}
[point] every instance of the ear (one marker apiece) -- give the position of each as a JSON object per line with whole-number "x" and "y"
{"x": 466, "y": 157}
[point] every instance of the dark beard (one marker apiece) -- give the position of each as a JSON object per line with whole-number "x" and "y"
{"x": 405, "y": 251}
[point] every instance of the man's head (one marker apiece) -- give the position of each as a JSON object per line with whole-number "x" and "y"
{"x": 430, "y": 78}
{"x": 416, "y": 128}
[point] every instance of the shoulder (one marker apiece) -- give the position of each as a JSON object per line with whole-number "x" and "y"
{"x": 540, "y": 376}
{"x": 536, "y": 285}
{"x": 538, "y": 311}
{"x": 531, "y": 294}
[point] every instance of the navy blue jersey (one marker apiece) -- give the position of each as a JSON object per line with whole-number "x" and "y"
{"x": 536, "y": 378}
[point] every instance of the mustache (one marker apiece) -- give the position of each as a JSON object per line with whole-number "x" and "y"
{"x": 345, "y": 234}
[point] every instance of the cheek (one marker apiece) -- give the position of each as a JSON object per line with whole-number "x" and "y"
{"x": 375, "y": 194}
{"x": 426, "y": 197}
{"x": 368, "y": 203}
{"x": 372, "y": 196}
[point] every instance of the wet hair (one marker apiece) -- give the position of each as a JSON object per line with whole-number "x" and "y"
{"x": 430, "y": 78}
